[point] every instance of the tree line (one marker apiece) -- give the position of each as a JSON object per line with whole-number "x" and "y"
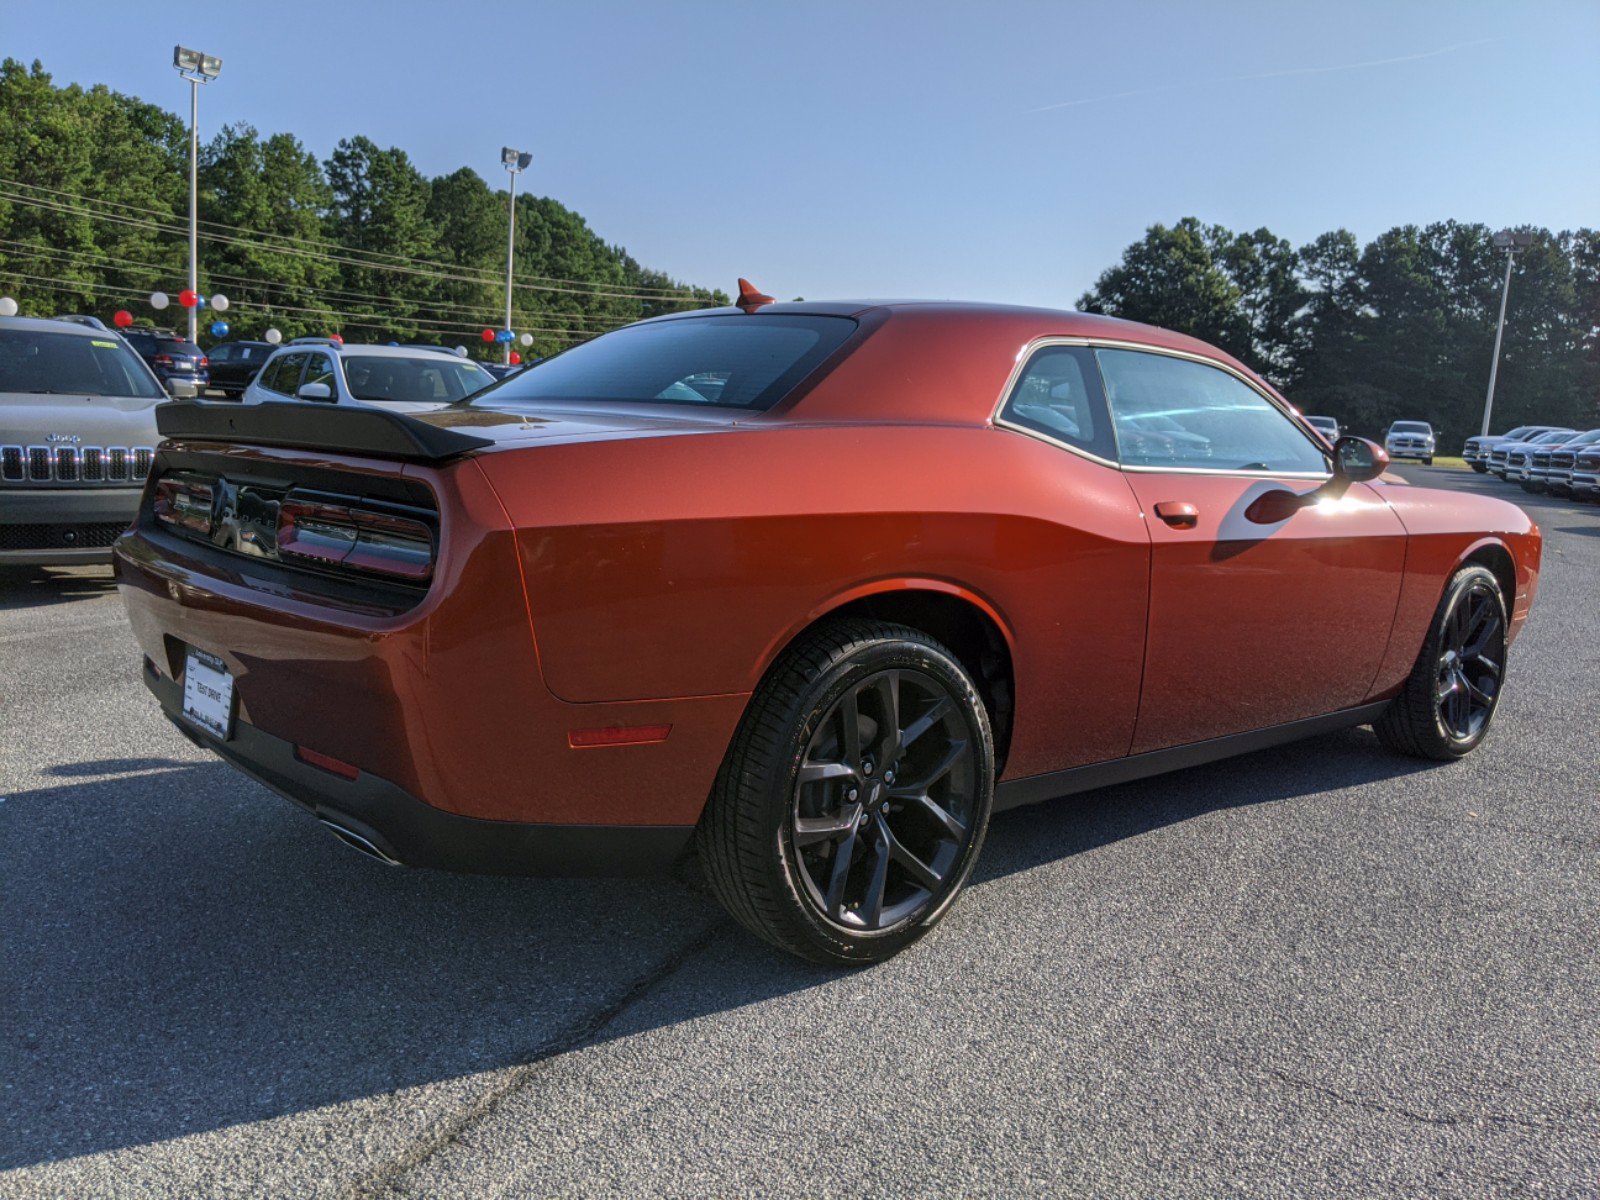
{"x": 1402, "y": 327}
{"x": 94, "y": 208}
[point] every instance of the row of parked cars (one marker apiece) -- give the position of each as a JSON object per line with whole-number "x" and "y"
{"x": 78, "y": 423}
{"x": 1541, "y": 458}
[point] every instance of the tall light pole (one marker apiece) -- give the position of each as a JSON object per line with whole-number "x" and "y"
{"x": 514, "y": 161}
{"x": 197, "y": 68}
{"x": 1509, "y": 242}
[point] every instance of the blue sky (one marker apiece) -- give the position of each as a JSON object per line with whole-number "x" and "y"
{"x": 994, "y": 151}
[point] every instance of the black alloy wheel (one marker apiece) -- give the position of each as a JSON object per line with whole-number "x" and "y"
{"x": 1446, "y": 705}
{"x": 1471, "y": 661}
{"x": 884, "y": 801}
{"x": 855, "y": 796}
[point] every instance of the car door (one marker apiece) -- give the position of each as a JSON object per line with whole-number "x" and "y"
{"x": 1271, "y": 591}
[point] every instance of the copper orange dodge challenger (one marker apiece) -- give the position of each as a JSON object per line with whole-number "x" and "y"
{"x": 810, "y": 589}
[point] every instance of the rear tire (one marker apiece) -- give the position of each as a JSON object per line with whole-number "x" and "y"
{"x": 841, "y": 847}
{"x": 1449, "y": 700}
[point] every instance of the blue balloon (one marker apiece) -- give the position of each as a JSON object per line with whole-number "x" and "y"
{"x": 505, "y": 335}
{"x": 219, "y": 329}
{"x": 394, "y": 343}
{"x": 199, "y": 301}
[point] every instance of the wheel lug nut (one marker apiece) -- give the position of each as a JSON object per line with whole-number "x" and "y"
{"x": 853, "y": 793}
{"x": 866, "y": 767}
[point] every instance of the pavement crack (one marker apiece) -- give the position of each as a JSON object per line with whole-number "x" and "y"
{"x": 385, "y": 1179}
{"x": 1551, "y": 1121}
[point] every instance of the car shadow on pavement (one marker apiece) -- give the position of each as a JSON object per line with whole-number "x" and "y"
{"x": 186, "y": 952}
{"x": 34, "y": 587}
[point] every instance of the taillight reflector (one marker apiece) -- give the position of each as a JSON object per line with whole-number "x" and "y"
{"x": 334, "y": 766}
{"x": 617, "y": 735}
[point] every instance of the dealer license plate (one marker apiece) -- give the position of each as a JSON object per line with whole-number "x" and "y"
{"x": 208, "y": 694}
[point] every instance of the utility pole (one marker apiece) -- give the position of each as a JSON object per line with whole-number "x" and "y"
{"x": 197, "y": 68}
{"x": 1509, "y": 242}
{"x": 514, "y": 161}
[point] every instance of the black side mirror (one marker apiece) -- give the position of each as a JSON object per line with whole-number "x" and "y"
{"x": 1356, "y": 460}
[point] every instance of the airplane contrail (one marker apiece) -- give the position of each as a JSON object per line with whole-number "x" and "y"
{"x": 1355, "y": 66}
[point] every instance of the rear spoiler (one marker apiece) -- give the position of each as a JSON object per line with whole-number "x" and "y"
{"x": 353, "y": 429}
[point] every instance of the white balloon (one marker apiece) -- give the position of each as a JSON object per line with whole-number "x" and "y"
{"x": 273, "y": 336}
{"x": 460, "y": 352}
{"x": 159, "y": 300}
{"x": 8, "y": 307}
{"x": 219, "y": 302}
{"x": 527, "y": 339}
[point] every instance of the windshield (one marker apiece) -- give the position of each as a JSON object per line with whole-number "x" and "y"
{"x": 1410, "y": 427}
{"x": 72, "y": 364}
{"x": 423, "y": 379}
{"x": 744, "y": 361}
{"x": 1586, "y": 439}
{"x": 1554, "y": 436}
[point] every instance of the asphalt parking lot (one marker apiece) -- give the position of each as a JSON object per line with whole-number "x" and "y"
{"x": 1317, "y": 970}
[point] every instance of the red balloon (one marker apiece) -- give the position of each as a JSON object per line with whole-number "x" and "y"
{"x": 187, "y": 298}
{"x": 122, "y": 318}
{"x": 516, "y": 359}
{"x": 488, "y": 335}
{"x": 336, "y": 338}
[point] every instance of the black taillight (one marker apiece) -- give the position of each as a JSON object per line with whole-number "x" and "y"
{"x": 354, "y": 537}
{"x": 184, "y": 503}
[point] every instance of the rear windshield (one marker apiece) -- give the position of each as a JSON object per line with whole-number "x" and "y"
{"x": 429, "y": 379}
{"x": 743, "y": 361}
{"x": 72, "y": 364}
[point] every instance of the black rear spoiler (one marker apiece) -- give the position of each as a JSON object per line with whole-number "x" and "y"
{"x": 352, "y": 429}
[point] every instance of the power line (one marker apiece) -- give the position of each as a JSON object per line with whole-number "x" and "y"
{"x": 334, "y": 296}
{"x": 473, "y": 331}
{"x": 659, "y": 295}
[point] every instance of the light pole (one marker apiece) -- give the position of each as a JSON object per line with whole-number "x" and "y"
{"x": 513, "y": 161}
{"x": 1509, "y": 242}
{"x": 197, "y": 68}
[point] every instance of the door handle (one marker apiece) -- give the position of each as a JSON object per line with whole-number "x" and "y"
{"x": 1180, "y": 514}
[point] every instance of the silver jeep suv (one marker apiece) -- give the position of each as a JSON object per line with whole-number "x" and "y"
{"x": 77, "y": 436}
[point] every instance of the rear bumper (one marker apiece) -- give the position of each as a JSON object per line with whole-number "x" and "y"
{"x": 409, "y": 832}
{"x": 52, "y": 526}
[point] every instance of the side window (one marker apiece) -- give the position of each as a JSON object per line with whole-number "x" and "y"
{"x": 282, "y": 375}
{"x": 1175, "y": 412}
{"x": 320, "y": 369}
{"x": 1059, "y": 395}
{"x": 220, "y": 354}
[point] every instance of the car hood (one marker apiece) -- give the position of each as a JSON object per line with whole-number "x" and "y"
{"x": 28, "y": 418}
{"x": 525, "y": 425}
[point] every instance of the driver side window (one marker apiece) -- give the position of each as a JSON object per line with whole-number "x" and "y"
{"x": 1176, "y": 413}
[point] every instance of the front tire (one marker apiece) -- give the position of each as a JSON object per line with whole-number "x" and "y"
{"x": 1428, "y": 462}
{"x": 1449, "y": 700}
{"x": 855, "y": 796}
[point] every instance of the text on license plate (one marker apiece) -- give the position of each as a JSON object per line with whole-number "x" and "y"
{"x": 208, "y": 693}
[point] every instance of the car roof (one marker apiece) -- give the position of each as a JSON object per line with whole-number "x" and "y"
{"x": 939, "y": 360}
{"x": 51, "y": 325}
{"x": 374, "y": 348}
